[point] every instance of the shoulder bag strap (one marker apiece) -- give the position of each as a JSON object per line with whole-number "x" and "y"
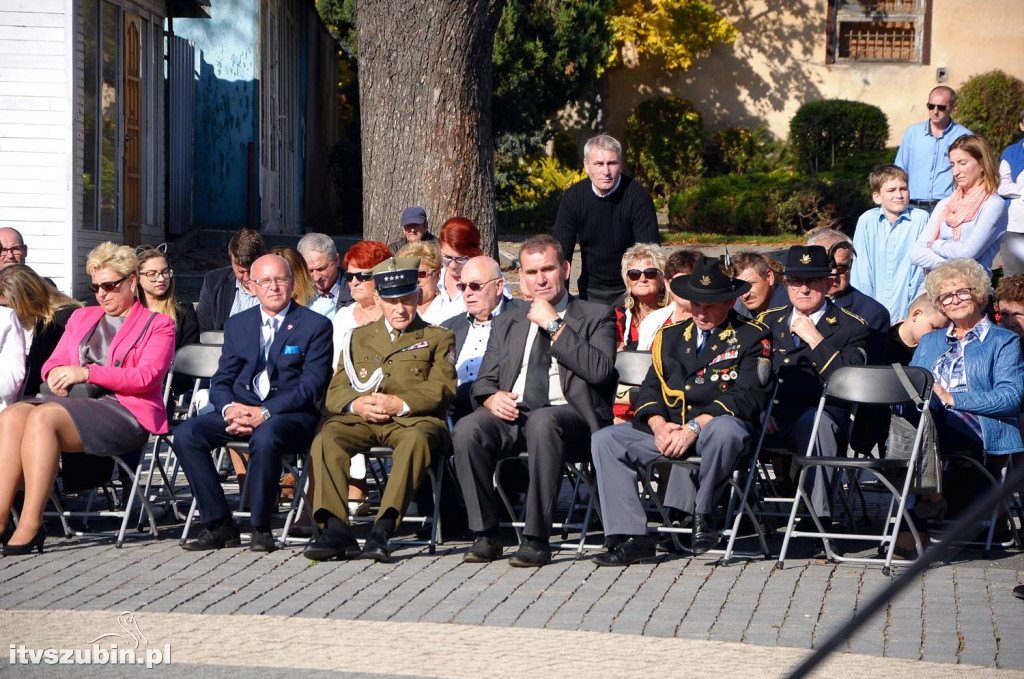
{"x": 152, "y": 315}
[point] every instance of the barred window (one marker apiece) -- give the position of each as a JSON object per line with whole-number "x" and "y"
{"x": 876, "y": 30}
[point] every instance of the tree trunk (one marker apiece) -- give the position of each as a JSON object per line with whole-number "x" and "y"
{"x": 425, "y": 112}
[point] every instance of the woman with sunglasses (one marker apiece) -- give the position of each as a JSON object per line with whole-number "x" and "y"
{"x": 43, "y": 312}
{"x": 156, "y": 292}
{"x": 970, "y": 223}
{"x": 432, "y": 307}
{"x": 643, "y": 267}
{"x": 122, "y": 351}
{"x": 459, "y": 241}
{"x": 680, "y": 263}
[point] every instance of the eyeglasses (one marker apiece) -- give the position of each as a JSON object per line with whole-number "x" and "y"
{"x": 963, "y": 294}
{"x": 362, "y": 276}
{"x": 474, "y": 286}
{"x": 157, "y": 275}
{"x": 650, "y": 273}
{"x": 840, "y": 270}
{"x": 12, "y": 251}
{"x": 107, "y": 287}
{"x": 267, "y": 282}
{"x": 942, "y": 107}
{"x": 424, "y": 273}
{"x": 448, "y": 259}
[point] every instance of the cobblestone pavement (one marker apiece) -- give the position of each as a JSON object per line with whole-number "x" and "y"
{"x": 956, "y": 614}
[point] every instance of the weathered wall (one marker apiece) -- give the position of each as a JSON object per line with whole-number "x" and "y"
{"x": 226, "y": 110}
{"x": 778, "y": 63}
{"x": 318, "y": 122}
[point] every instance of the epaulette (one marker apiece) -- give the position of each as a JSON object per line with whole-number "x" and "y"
{"x": 764, "y": 313}
{"x": 755, "y": 322}
{"x": 850, "y": 313}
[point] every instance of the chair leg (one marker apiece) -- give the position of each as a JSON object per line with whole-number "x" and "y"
{"x": 781, "y": 563}
{"x": 504, "y": 497}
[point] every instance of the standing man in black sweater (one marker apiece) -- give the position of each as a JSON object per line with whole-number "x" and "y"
{"x": 606, "y": 213}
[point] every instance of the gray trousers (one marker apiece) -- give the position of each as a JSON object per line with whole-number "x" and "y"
{"x": 550, "y": 436}
{"x": 796, "y": 432}
{"x": 620, "y": 451}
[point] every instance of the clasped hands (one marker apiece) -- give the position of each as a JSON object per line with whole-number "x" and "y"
{"x": 671, "y": 439}
{"x": 378, "y": 408}
{"x": 242, "y": 419}
{"x": 63, "y": 377}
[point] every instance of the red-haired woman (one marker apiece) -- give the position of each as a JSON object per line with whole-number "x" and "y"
{"x": 459, "y": 241}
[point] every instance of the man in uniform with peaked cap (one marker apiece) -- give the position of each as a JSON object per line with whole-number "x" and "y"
{"x": 394, "y": 382}
{"x": 812, "y": 338}
{"x": 704, "y": 394}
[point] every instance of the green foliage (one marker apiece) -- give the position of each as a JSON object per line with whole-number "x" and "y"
{"x": 990, "y": 104}
{"x": 742, "y": 150}
{"x": 546, "y": 54}
{"x": 676, "y": 31}
{"x": 824, "y": 131}
{"x": 663, "y": 144}
{"x": 528, "y": 189}
{"x": 340, "y": 18}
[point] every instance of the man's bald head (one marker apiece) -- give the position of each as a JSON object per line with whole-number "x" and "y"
{"x": 14, "y": 248}
{"x": 484, "y": 274}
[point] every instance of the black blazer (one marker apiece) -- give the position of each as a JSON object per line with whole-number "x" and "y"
{"x": 215, "y": 298}
{"x": 585, "y": 351}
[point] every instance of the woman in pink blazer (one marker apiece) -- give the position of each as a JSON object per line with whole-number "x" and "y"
{"x": 111, "y": 362}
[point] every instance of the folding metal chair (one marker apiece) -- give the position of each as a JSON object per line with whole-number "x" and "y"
{"x": 869, "y": 385}
{"x": 211, "y": 337}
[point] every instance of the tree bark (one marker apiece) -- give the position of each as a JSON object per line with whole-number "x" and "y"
{"x": 425, "y": 95}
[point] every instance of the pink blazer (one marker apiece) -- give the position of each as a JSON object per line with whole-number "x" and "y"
{"x": 138, "y": 382}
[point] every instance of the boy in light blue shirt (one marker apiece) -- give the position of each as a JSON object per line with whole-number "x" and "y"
{"x": 884, "y": 236}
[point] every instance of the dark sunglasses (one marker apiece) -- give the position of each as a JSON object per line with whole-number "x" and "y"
{"x": 423, "y": 273}
{"x": 109, "y": 286}
{"x": 941, "y": 107}
{"x": 474, "y": 286}
{"x": 649, "y": 274}
{"x": 840, "y": 270}
{"x": 361, "y": 275}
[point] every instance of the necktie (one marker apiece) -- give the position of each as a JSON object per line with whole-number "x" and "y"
{"x": 703, "y": 340}
{"x": 395, "y": 332}
{"x": 538, "y": 373}
{"x": 262, "y": 380}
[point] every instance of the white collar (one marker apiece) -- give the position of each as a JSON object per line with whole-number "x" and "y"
{"x": 610, "y": 191}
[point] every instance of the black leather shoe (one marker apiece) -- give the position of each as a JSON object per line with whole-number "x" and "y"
{"x": 262, "y": 541}
{"x": 22, "y": 550}
{"x": 704, "y": 537}
{"x": 376, "y": 548}
{"x": 332, "y": 544}
{"x": 485, "y": 549}
{"x": 1018, "y": 591}
{"x": 531, "y": 554}
{"x": 637, "y": 549}
{"x": 218, "y": 538}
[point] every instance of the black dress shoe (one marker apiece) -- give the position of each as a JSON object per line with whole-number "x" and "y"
{"x": 262, "y": 541}
{"x": 332, "y": 544}
{"x": 217, "y": 538}
{"x": 531, "y": 554}
{"x": 21, "y": 550}
{"x": 485, "y": 549}
{"x": 1018, "y": 591}
{"x": 704, "y": 537}
{"x": 637, "y": 549}
{"x": 376, "y": 548}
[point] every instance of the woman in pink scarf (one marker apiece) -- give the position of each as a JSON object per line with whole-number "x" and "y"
{"x": 970, "y": 223}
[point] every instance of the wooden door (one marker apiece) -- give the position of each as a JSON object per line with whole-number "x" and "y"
{"x": 132, "y": 45}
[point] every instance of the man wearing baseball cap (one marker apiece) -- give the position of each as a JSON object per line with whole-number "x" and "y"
{"x": 414, "y": 228}
{"x": 393, "y": 386}
{"x": 710, "y": 381}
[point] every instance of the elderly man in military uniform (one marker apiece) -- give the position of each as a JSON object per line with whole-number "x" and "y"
{"x": 812, "y": 338}
{"x": 710, "y": 382}
{"x": 394, "y": 382}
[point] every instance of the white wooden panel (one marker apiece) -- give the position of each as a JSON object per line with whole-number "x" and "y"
{"x": 34, "y": 186}
{"x": 40, "y": 6}
{"x": 31, "y": 19}
{"x": 13, "y": 131}
{"x": 30, "y": 47}
{"x": 32, "y": 61}
{"x": 33, "y": 200}
{"x": 33, "y": 104}
{"x": 34, "y": 173}
{"x": 31, "y": 214}
{"x": 43, "y": 75}
{"x": 38, "y": 145}
{"x": 33, "y": 89}
{"x": 44, "y": 118}
{"x": 32, "y": 33}
{"x": 32, "y": 159}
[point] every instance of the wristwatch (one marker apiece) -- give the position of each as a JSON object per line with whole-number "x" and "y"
{"x": 694, "y": 426}
{"x": 553, "y": 326}
{"x": 265, "y": 413}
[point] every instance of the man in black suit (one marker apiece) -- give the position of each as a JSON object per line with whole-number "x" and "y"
{"x": 273, "y": 371}
{"x": 482, "y": 286}
{"x": 812, "y": 338}
{"x": 547, "y": 375}
{"x": 227, "y": 291}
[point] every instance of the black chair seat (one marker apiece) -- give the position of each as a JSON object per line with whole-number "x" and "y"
{"x": 849, "y": 462}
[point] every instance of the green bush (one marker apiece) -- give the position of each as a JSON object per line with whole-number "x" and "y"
{"x": 663, "y": 143}
{"x": 822, "y": 132}
{"x": 989, "y": 105}
{"x": 742, "y": 150}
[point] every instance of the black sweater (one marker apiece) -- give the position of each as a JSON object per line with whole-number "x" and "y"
{"x": 605, "y": 228}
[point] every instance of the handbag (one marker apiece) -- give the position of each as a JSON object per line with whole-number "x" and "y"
{"x": 89, "y": 390}
{"x": 927, "y": 472}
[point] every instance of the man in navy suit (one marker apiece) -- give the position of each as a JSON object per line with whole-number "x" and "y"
{"x": 276, "y": 363}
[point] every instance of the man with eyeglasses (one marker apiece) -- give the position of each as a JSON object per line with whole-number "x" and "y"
{"x": 811, "y": 339}
{"x": 276, "y": 362}
{"x": 481, "y": 285}
{"x": 324, "y": 263}
{"x": 12, "y": 247}
{"x": 924, "y": 150}
{"x": 226, "y": 291}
